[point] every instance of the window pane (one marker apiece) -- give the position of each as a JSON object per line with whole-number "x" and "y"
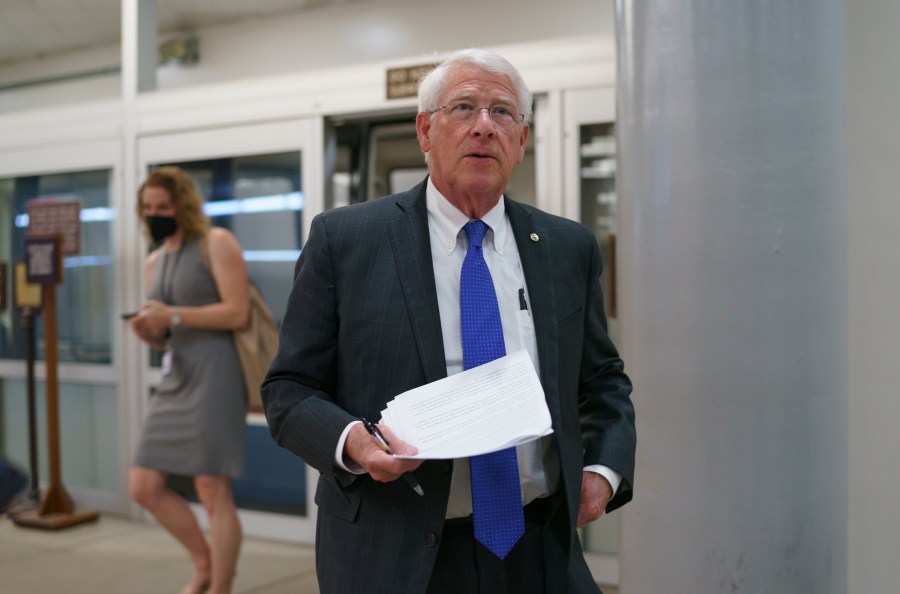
{"x": 84, "y": 319}
{"x": 259, "y": 199}
{"x": 89, "y": 438}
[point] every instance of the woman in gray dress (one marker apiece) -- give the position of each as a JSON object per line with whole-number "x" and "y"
{"x": 198, "y": 294}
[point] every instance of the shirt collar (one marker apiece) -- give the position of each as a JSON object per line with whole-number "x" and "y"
{"x": 449, "y": 221}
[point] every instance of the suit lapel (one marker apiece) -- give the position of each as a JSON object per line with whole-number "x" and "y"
{"x": 411, "y": 247}
{"x": 535, "y": 244}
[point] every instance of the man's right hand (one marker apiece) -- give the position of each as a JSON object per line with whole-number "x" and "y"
{"x": 365, "y": 451}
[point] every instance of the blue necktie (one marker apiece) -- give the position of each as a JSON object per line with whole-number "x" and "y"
{"x": 496, "y": 495}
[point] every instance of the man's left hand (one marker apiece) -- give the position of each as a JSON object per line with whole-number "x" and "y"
{"x": 595, "y": 494}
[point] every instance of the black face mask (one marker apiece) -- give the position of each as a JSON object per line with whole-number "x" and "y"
{"x": 160, "y": 227}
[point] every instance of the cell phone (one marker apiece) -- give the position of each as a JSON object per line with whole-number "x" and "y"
{"x": 129, "y": 315}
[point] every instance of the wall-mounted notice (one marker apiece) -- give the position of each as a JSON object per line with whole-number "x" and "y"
{"x": 26, "y": 294}
{"x": 401, "y": 82}
{"x": 47, "y": 216}
{"x": 43, "y": 258}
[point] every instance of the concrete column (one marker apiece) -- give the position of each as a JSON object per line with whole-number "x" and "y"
{"x": 873, "y": 180}
{"x": 733, "y": 247}
{"x": 139, "y": 52}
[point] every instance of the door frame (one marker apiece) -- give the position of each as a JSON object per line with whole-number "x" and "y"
{"x": 72, "y": 155}
{"x": 296, "y": 134}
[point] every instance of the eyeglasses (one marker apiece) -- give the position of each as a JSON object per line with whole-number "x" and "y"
{"x": 501, "y": 115}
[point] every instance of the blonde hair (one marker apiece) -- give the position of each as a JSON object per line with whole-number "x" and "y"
{"x": 186, "y": 199}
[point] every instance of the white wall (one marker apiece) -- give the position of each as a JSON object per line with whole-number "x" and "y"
{"x": 873, "y": 153}
{"x": 55, "y": 67}
{"x": 325, "y": 37}
{"x": 383, "y": 29}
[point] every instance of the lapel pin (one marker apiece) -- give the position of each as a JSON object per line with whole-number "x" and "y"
{"x": 534, "y": 237}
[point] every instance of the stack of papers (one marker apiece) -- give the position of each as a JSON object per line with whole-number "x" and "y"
{"x": 485, "y": 409}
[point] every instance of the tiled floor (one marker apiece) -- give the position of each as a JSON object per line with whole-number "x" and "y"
{"x": 119, "y": 556}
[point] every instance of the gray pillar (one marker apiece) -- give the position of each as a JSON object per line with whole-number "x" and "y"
{"x": 733, "y": 247}
{"x": 873, "y": 178}
{"x": 139, "y": 51}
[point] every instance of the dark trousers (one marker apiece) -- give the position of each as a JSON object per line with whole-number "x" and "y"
{"x": 465, "y": 566}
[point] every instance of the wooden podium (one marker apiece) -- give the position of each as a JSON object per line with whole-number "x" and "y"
{"x": 56, "y": 509}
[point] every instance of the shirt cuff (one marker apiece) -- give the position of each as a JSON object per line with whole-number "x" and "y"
{"x": 339, "y": 453}
{"x": 614, "y": 478}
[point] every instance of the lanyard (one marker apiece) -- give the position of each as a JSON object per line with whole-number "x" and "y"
{"x": 167, "y": 291}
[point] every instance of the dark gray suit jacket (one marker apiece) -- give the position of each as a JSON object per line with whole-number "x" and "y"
{"x": 362, "y": 326}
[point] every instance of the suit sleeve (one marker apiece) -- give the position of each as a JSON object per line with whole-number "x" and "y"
{"x": 298, "y": 390}
{"x": 604, "y": 405}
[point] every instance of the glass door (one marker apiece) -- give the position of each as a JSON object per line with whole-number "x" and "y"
{"x": 255, "y": 184}
{"x": 91, "y": 398}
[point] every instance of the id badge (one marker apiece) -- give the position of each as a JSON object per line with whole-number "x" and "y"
{"x": 167, "y": 363}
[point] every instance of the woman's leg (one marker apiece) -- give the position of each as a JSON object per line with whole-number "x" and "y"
{"x": 148, "y": 488}
{"x": 224, "y": 529}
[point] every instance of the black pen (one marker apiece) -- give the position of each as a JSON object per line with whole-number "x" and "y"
{"x": 383, "y": 443}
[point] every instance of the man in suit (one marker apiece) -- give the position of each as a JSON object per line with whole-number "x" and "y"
{"x": 375, "y": 311}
